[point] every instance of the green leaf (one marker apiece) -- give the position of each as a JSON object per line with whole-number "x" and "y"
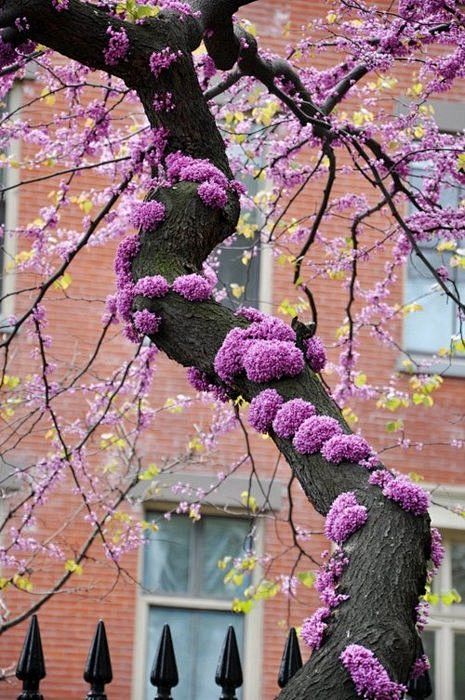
{"x": 307, "y": 578}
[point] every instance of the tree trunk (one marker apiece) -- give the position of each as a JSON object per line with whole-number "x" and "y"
{"x": 387, "y": 567}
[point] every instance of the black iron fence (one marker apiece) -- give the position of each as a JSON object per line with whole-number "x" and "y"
{"x": 164, "y": 674}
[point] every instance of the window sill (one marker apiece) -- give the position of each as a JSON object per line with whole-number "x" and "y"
{"x": 446, "y": 367}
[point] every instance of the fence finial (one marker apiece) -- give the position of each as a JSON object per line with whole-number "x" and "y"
{"x": 98, "y": 672}
{"x": 420, "y": 688}
{"x": 164, "y": 674}
{"x": 291, "y": 660}
{"x": 31, "y": 665}
{"x": 229, "y": 672}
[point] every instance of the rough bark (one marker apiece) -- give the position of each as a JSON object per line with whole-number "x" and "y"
{"x": 388, "y": 555}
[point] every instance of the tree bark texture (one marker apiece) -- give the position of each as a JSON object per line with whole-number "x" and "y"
{"x": 387, "y": 567}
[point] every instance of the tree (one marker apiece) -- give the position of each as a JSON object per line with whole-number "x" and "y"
{"x": 191, "y": 205}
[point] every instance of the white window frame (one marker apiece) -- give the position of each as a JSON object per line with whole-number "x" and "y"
{"x": 252, "y": 653}
{"x": 12, "y": 178}
{"x": 445, "y": 620}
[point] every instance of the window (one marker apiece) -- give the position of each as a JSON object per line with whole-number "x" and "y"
{"x": 239, "y": 259}
{"x": 9, "y": 217}
{"x": 184, "y": 587}
{"x": 444, "y": 637}
{"x": 430, "y": 328}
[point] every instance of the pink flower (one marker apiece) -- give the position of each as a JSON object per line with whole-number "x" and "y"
{"x": 345, "y": 517}
{"x": 127, "y": 250}
{"x": 213, "y": 195}
{"x": 313, "y": 432}
{"x": 437, "y": 548}
{"x": 369, "y": 676}
{"x": 146, "y": 322}
{"x": 420, "y": 667}
{"x": 400, "y": 489}
{"x": 346, "y": 448}
{"x": 192, "y": 287}
{"x": 313, "y": 628}
{"x": 228, "y": 360}
{"x": 263, "y": 409}
{"x": 315, "y": 353}
{"x": 265, "y": 360}
{"x": 290, "y": 417}
{"x": 162, "y": 60}
{"x": 118, "y": 45}
{"x": 147, "y": 215}
{"x": 60, "y": 5}
{"x": 152, "y": 287}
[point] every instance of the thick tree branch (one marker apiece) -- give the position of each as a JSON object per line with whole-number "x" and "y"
{"x": 191, "y": 333}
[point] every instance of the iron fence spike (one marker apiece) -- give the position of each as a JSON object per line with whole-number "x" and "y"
{"x": 291, "y": 660}
{"x": 31, "y": 665}
{"x": 229, "y": 672}
{"x": 98, "y": 672}
{"x": 164, "y": 674}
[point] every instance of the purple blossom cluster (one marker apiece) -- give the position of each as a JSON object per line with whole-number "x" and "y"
{"x": 265, "y": 351}
{"x": 251, "y": 314}
{"x": 327, "y": 580}
{"x": 346, "y": 448}
{"x": 400, "y": 489}
{"x": 345, "y": 517}
{"x": 152, "y": 287}
{"x": 127, "y": 250}
{"x": 369, "y": 676}
{"x": 228, "y": 359}
{"x": 314, "y": 432}
{"x": 147, "y": 215}
{"x": 437, "y": 548}
{"x": 200, "y": 381}
{"x": 192, "y": 287}
{"x": 118, "y": 46}
{"x": 315, "y": 353}
{"x": 263, "y": 409}
{"x": 60, "y": 5}
{"x": 271, "y": 328}
{"x": 290, "y": 416}
{"x": 265, "y": 360}
{"x": 213, "y": 184}
{"x": 146, "y": 322}
{"x": 213, "y": 195}
{"x": 420, "y": 667}
{"x": 162, "y": 60}
{"x": 422, "y": 614}
{"x": 313, "y": 628}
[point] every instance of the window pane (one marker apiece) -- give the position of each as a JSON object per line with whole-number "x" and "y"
{"x": 166, "y": 556}
{"x": 221, "y": 537}
{"x": 428, "y": 639}
{"x": 197, "y": 639}
{"x": 431, "y": 328}
{"x": 458, "y": 567}
{"x": 459, "y": 666}
{"x": 233, "y": 271}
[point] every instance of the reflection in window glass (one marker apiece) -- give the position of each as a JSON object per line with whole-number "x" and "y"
{"x": 429, "y": 329}
{"x": 197, "y": 639}
{"x": 221, "y": 537}
{"x": 166, "y": 557}
{"x": 458, "y": 567}
{"x": 182, "y": 557}
{"x": 459, "y": 670}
